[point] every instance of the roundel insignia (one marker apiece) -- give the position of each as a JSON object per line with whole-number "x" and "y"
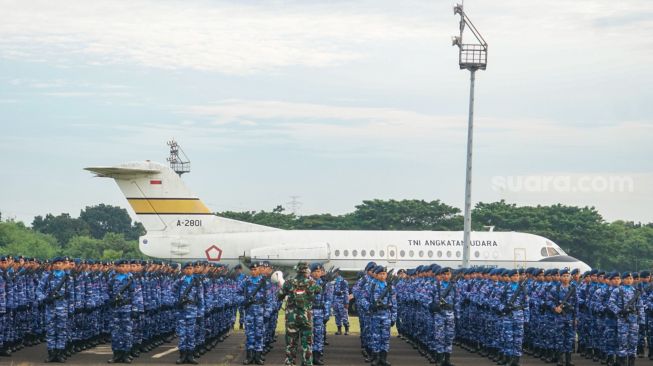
{"x": 213, "y": 253}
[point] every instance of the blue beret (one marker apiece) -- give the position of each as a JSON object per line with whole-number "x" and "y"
{"x": 626, "y": 274}
{"x": 575, "y": 271}
{"x": 635, "y": 275}
{"x": 379, "y": 269}
{"x": 593, "y": 272}
{"x": 3, "y": 258}
{"x": 117, "y": 263}
{"x": 512, "y": 272}
{"x": 369, "y": 266}
{"x": 174, "y": 265}
{"x": 644, "y": 274}
{"x": 563, "y": 271}
{"x": 612, "y": 275}
{"x": 410, "y": 272}
{"x": 315, "y": 266}
{"x": 601, "y": 273}
{"x": 57, "y": 259}
{"x": 186, "y": 265}
{"x": 238, "y": 266}
{"x": 445, "y": 270}
{"x": 434, "y": 267}
{"x": 554, "y": 271}
{"x": 254, "y": 265}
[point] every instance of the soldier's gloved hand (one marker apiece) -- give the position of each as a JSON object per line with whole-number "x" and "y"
{"x": 326, "y": 320}
{"x": 392, "y": 323}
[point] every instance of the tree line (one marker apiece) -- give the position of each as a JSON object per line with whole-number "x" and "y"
{"x": 107, "y": 232}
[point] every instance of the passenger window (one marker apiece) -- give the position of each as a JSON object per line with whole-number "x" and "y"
{"x": 543, "y": 252}
{"x": 354, "y": 252}
{"x": 552, "y": 252}
{"x": 448, "y": 254}
{"x": 477, "y": 254}
{"x": 439, "y": 254}
{"x": 392, "y": 253}
{"x": 372, "y": 253}
{"x": 402, "y": 253}
{"x": 421, "y": 253}
{"x": 458, "y": 254}
{"x": 411, "y": 254}
{"x": 346, "y": 253}
{"x": 337, "y": 252}
{"x": 363, "y": 253}
{"x": 381, "y": 253}
{"x": 430, "y": 254}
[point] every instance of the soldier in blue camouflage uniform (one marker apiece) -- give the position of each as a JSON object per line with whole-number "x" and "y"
{"x": 52, "y": 291}
{"x": 562, "y": 301}
{"x": 381, "y": 303}
{"x": 254, "y": 297}
{"x": 359, "y": 292}
{"x": 5, "y": 294}
{"x": 341, "y": 303}
{"x": 320, "y": 316}
{"x": 647, "y": 293}
{"x": 123, "y": 297}
{"x": 627, "y": 306}
{"x": 189, "y": 300}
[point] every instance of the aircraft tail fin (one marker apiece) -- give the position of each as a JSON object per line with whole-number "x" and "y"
{"x": 163, "y": 203}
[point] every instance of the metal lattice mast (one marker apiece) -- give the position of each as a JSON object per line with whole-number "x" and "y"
{"x": 177, "y": 163}
{"x": 472, "y": 57}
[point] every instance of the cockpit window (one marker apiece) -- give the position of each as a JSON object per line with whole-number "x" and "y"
{"x": 543, "y": 252}
{"x": 552, "y": 252}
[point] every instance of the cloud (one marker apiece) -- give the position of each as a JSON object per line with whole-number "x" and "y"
{"x": 225, "y": 37}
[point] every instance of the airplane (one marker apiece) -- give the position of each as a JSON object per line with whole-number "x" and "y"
{"x": 180, "y": 227}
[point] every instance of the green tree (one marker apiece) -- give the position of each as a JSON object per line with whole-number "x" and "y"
{"x": 405, "y": 215}
{"x": 103, "y": 219}
{"x": 16, "y": 239}
{"x": 85, "y": 247}
{"x": 62, "y": 227}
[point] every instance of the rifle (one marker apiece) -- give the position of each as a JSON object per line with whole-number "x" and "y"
{"x": 119, "y": 300}
{"x": 629, "y": 308}
{"x": 185, "y": 300}
{"x": 566, "y": 307}
{"x": 390, "y": 281}
{"x": 55, "y": 294}
{"x": 510, "y": 304}
{"x": 250, "y": 299}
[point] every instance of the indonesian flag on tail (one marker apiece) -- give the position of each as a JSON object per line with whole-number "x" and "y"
{"x": 155, "y": 181}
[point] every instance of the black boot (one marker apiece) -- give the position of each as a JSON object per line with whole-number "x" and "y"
{"x": 376, "y": 361}
{"x": 317, "y": 358}
{"x": 50, "y": 357}
{"x": 631, "y": 360}
{"x": 5, "y": 352}
{"x": 447, "y": 360}
{"x": 346, "y": 329}
{"x": 384, "y": 358}
{"x": 515, "y": 361}
{"x": 182, "y": 357}
{"x": 190, "y": 359}
{"x": 568, "y": 359}
{"x": 115, "y": 358}
{"x": 249, "y": 357}
{"x": 339, "y": 332}
{"x": 258, "y": 358}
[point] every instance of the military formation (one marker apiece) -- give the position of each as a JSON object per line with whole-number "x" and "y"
{"x": 136, "y": 305}
{"x": 500, "y": 314}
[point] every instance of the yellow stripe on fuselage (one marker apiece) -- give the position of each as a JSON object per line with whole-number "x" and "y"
{"x": 168, "y": 206}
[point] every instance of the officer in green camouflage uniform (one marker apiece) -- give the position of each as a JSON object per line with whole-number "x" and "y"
{"x": 300, "y": 292}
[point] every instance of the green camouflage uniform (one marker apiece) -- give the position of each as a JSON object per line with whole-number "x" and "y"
{"x": 299, "y": 316}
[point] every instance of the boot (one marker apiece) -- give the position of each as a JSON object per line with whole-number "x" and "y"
{"x": 50, "y": 357}
{"x": 190, "y": 359}
{"x": 116, "y": 357}
{"x": 447, "y": 360}
{"x": 182, "y": 357}
{"x": 568, "y": 359}
{"x": 317, "y": 358}
{"x": 561, "y": 358}
{"x": 640, "y": 351}
{"x": 515, "y": 361}
{"x": 249, "y": 358}
{"x": 5, "y": 352}
{"x": 346, "y": 329}
{"x": 631, "y": 360}
{"x": 549, "y": 356}
{"x": 433, "y": 358}
{"x": 258, "y": 358}
{"x": 375, "y": 360}
{"x": 383, "y": 356}
{"x": 339, "y": 332}
{"x": 367, "y": 356}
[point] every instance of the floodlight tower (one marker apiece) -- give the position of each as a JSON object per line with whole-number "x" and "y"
{"x": 472, "y": 57}
{"x": 177, "y": 163}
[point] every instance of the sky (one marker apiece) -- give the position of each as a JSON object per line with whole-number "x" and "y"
{"x": 331, "y": 102}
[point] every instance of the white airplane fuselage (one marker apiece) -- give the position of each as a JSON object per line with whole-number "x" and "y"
{"x": 181, "y": 228}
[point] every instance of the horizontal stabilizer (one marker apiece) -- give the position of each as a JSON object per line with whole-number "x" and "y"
{"x": 117, "y": 172}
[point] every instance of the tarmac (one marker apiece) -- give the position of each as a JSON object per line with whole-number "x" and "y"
{"x": 342, "y": 350}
